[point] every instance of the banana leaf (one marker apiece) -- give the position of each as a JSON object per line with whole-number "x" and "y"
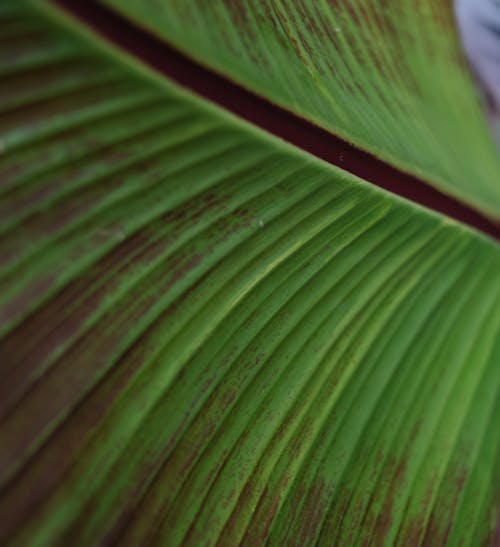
{"x": 210, "y": 337}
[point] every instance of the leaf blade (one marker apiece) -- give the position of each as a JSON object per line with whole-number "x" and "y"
{"x": 221, "y": 333}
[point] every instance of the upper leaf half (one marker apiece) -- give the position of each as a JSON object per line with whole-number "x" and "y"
{"x": 387, "y": 75}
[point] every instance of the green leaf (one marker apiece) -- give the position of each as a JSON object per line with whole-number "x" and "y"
{"x": 210, "y": 336}
{"x": 386, "y": 75}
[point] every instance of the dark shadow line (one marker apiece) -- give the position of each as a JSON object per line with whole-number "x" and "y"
{"x": 168, "y": 61}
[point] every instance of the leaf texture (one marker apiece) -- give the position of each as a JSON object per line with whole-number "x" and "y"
{"x": 386, "y": 75}
{"x": 209, "y": 337}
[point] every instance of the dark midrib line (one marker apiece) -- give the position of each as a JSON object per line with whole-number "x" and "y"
{"x": 168, "y": 61}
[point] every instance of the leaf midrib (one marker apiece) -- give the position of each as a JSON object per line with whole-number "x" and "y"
{"x": 175, "y": 65}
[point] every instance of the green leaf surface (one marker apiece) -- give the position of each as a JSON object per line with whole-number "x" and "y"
{"x": 209, "y": 337}
{"x": 387, "y": 75}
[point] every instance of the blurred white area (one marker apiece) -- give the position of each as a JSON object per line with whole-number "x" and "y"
{"x": 479, "y": 25}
